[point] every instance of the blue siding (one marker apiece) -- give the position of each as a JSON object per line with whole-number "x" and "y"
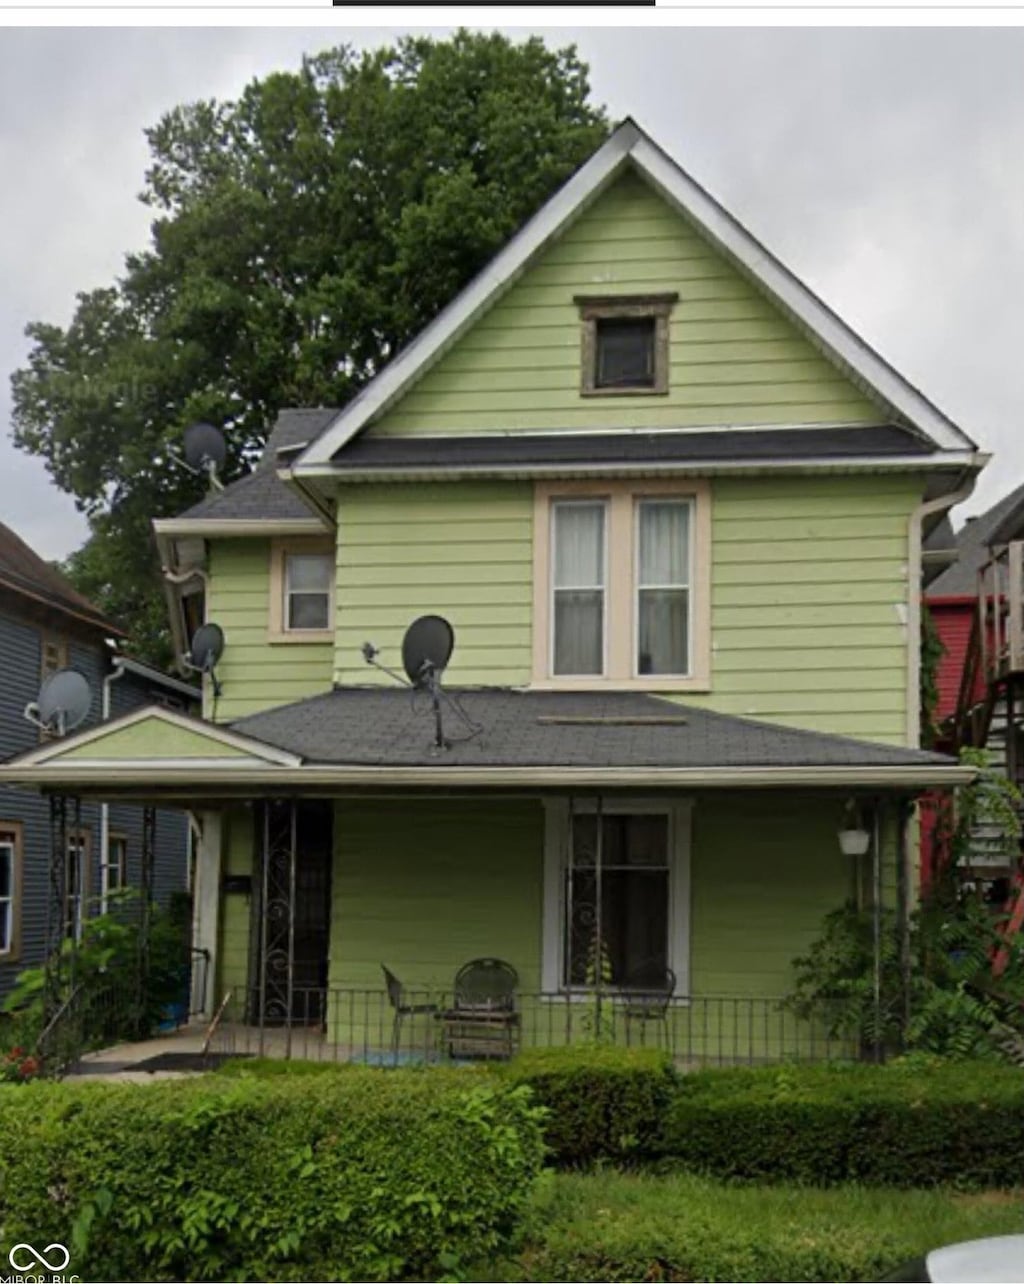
{"x": 20, "y": 664}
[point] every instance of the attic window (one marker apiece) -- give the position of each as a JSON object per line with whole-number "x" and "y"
{"x": 624, "y": 344}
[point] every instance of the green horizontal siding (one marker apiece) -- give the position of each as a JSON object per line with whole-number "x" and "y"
{"x": 462, "y": 549}
{"x": 734, "y": 358}
{"x": 152, "y": 738}
{"x": 255, "y": 672}
{"x": 233, "y": 964}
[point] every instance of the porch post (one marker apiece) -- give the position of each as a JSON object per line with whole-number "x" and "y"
{"x": 904, "y": 870}
{"x": 206, "y": 929}
{"x": 876, "y": 923}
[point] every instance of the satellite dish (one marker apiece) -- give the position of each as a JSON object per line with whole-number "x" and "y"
{"x": 206, "y": 649}
{"x": 65, "y": 699}
{"x": 426, "y": 649}
{"x": 205, "y": 448}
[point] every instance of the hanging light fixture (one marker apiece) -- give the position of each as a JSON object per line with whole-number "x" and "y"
{"x": 854, "y": 837}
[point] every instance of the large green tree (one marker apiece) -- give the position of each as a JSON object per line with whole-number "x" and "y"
{"x": 302, "y": 235}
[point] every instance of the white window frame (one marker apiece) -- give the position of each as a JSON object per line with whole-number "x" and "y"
{"x": 556, "y": 856}
{"x": 691, "y": 506}
{"x": 281, "y": 550}
{"x": 115, "y": 839}
{"x": 577, "y": 502}
{"x": 11, "y": 838}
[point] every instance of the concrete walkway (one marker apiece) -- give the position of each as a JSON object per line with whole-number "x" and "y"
{"x": 123, "y": 1063}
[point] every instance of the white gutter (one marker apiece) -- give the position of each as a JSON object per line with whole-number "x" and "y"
{"x": 944, "y": 460}
{"x": 117, "y": 671}
{"x": 230, "y": 527}
{"x": 915, "y": 591}
{"x": 211, "y": 778}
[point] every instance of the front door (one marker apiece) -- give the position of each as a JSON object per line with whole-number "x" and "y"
{"x": 293, "y": 898}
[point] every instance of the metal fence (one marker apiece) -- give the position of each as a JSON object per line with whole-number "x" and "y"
{"x": 364, "y": 1026}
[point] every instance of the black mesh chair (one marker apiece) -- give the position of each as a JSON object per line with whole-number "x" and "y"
{"x": 483, "y": 1020}
{"x": 646, "y": 994}
{"x": 401, "y": 1009}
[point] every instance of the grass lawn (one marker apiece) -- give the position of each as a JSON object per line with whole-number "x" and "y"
{"x": 611, "y": 1225}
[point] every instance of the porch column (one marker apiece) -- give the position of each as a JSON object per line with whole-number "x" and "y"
{"x": 206, "y": 911}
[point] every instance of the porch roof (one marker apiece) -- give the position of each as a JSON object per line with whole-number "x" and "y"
{"x": 383, "y": 738}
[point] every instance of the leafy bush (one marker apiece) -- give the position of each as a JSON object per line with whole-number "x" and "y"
{"x": 602, "y": 1102}
{"x": 361, "y": 1175}
{"x": 917, "y": 1122}
{"x": 620, "y": 1226}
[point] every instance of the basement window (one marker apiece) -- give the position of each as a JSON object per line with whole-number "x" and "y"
{"x": 624, "y": 344}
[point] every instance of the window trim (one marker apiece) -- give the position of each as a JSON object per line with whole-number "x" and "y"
{"x": 83, "y": 836}
{"x": 114, "y": 836}
{"x": 605, "y": 520}
{"x": 620, "y": 593}
{"x": 611, "y": 307}
{"x": 691, "y": 503}
{"x": 280, "y": 551}
{"x": 16, "y": 829}
{"x": 556, "y": 851}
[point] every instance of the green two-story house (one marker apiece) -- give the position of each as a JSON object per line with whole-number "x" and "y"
{"x": 673, "y": 510}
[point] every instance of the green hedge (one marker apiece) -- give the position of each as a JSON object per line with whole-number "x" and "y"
{"x": 620, "y": 1226}
{"x": 361, "y": 1175}
{"x": 602, "y": 1103}
{"x": 912, "y": 1124}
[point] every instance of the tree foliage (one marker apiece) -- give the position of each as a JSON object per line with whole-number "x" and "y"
{"x": 302, "y": 234}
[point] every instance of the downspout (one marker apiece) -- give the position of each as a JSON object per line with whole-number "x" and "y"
{"x": 118, "y": 672}
{"x": 914, "y": 591}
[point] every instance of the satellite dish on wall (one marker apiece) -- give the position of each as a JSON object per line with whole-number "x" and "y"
{"x": 205, "y": 448}
{"x": 65, "y": 699}
{"x": 426, "y": 649}
{"x": 206, "y": 648}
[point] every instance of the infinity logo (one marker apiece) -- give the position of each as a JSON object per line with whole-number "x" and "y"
{"x": 38, "y": 1256}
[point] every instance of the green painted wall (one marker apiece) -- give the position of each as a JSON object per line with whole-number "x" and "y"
{"x": 809, "y": 590}
{"x": 233, "y": 966}
{"x": 255, "y": 672}
{"x": 461, "y": 549}
{"x": 734, "y": 358}
{"x": 153, "y": 738}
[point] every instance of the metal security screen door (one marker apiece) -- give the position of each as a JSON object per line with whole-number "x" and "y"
{"x": 291, "y": 923}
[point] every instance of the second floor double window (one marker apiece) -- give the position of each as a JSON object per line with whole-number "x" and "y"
{"x": 659, "y": 590}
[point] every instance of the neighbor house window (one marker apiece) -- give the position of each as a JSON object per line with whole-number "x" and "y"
{"x": 53, "y": 655}
{"x": 302, "y": 590}
{"x": 76, "y": 883}
{"x": 624, "y": 345}
{"x": 622, "y": 587}
{"x": 578, "y": 587}
{"x": 10, "y": 888}
{"x": 616, "y": 910}
{"x": 115, "y": 868}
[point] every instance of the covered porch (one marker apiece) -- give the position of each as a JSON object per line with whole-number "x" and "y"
{"x": 644, "y": 871}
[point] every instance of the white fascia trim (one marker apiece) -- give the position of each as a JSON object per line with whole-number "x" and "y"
{"x": 219, "y": 735}
{"x": 945, "y": 461}
{"x": 452, "y": 321}
{"x": 630, "y": 144}
{"x": 183, "y": 772}
{"x": 227, "y": 527}
{"x": 834, "y": 335}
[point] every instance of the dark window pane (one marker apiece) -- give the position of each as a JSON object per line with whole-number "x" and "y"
{"x": 625, "y": 353}
{"x": 633, "y": 925}
{"x": 6, "y": 870}
{"x": 307, "y": 611}
{"x": 579, "y": 631}
{"x": 628, "y": 839}
{"x": 663, "y": 634}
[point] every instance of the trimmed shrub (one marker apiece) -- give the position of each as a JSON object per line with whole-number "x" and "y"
{"x": 602, "y": 1103}
{"x": 361, "y": 1175}
{"x": 912, "y": 1124}
{"x": 621, "y": 1226}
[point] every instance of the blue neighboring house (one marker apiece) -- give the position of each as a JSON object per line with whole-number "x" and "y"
{"x": 45, "y": 625}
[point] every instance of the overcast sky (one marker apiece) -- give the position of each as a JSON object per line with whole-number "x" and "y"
{"x": 886, "y": 167}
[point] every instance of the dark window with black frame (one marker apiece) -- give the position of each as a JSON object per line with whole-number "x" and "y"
{"x": 624, "y": 356}
{"x": 625, "y": 945}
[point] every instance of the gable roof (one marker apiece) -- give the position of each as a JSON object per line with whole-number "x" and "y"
{"x": 261, "y": 495}
{"x": 23, "y": 571}
{"x": 629, "y": 147}
{"x": 972, "y": 545}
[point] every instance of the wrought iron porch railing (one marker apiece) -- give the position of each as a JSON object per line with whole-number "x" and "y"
{"x": 361, "y": 1026}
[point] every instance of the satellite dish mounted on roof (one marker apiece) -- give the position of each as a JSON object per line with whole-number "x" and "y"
{"x": 206, "y": 649}
{"x": 65, "y": 699}
{"x": 206, "y": 452}
{"x": 426, "y": 649}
